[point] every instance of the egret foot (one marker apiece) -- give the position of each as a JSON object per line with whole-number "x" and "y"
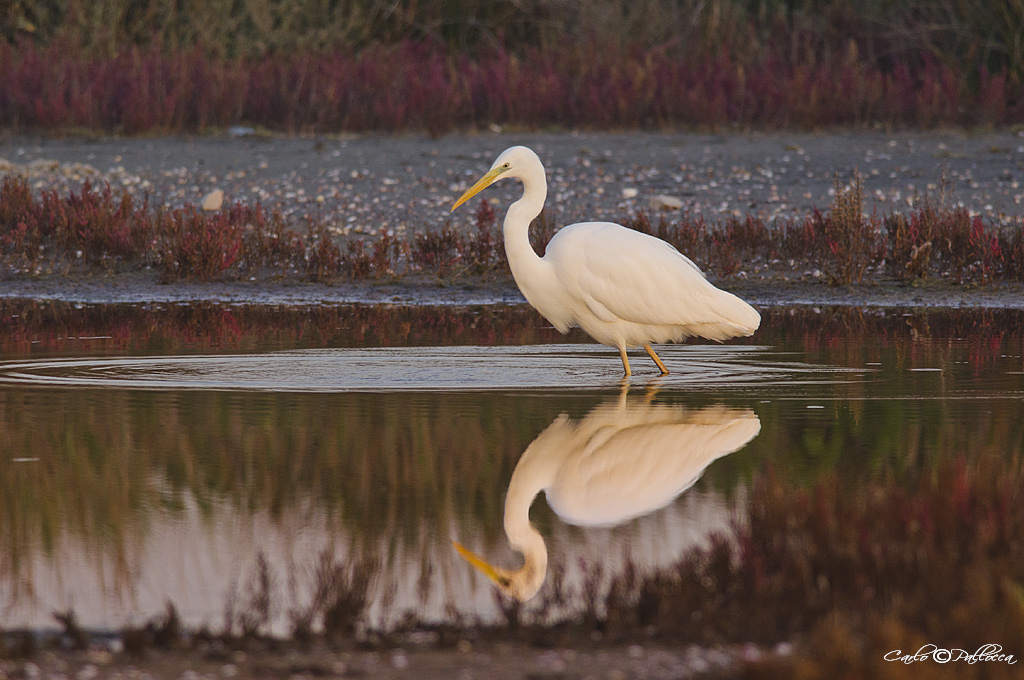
{"x": 657, "y": 360}
{"x": 625, "y": 362}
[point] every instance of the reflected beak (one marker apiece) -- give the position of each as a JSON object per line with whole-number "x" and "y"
{"x": 485, "y": 568}
{"x": 484, "y": 182}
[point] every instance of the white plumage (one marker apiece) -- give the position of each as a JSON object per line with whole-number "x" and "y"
{"x": 619, "y": 462}
{"x": 622, "y": 287}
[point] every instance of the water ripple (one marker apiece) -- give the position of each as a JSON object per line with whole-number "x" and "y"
{"x": 429, "y": 368}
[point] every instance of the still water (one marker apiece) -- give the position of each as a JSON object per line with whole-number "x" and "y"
{"x": 182, "y": 454}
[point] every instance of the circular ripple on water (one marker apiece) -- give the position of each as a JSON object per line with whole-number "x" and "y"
{"x": 429, "y": 368}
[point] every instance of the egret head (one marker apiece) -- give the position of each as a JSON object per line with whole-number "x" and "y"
{"x": 516, "y": 161}
{"x": 520, "y": 584}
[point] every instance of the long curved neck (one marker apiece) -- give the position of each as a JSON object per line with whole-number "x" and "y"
{"x": 528, "y": 269}
{"x": 522, "y": 535}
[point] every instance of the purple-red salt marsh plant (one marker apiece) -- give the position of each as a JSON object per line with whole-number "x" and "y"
{"x": 386, "y": 250}
{"x": 19, "y": 220}
{"x": 93, "y": 226}
{"x": 910, "y": 244}
{"x": 1013, "y": 252}
{"x": 379, "y": 261}
{"x": 954, "y": 244}
{"x": 800, "y": 239}
{"x": 97, "y": 224}
{"x": 483, "y": 249}
{"x": 850, "y": 238}
{"x": 937, "y": 556}
{"x": 437, "y": 251}
{"x": 199, "y": 246}
{"x": 795, "y": 79}
{"x": 268, "y": 243}
{"x": 689, "y": 235}
{"x": 542, "y": 229}
{"x": 356, "y": 261}
{"x": 642, "y": 223}
{"x": 739, "y": 241}
{"x": 103, "y": 228}
{"x": 323, "y": 256}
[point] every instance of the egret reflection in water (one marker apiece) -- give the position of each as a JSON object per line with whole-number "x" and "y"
{"x": 621, "y": 461}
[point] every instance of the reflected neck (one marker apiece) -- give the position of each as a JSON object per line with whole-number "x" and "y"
{"x": 522, "y": 535}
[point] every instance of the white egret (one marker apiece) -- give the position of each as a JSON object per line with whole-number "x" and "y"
{"x": 622, "y": 287}
{"x": 617, "y": 463}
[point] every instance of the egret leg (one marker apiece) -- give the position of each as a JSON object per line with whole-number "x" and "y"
{"x": 657, "y": 359}
{"x": 625, "y": 361}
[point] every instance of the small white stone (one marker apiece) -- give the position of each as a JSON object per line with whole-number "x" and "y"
{"x": 630, "y": 192}
{"x": 213, "y": 200}
{"x": 663, "y": 202}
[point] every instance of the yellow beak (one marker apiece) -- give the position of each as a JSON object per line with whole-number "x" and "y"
{"x": 487, "y": 569}
{"x": 484, "y": 182}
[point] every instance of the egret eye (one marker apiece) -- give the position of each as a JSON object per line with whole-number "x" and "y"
{"x": 506, "y": 166}
{"x": 504, "y": 582}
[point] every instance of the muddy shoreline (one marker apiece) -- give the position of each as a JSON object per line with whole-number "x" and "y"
{"x": 410, "y": 290}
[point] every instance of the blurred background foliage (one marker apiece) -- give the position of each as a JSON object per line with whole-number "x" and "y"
{"x": 964, "y": 33}
{"x": 315, "y": 66}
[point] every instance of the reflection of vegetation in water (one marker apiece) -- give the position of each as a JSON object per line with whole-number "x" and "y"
{"x": 379, "y": 464}
{"x": 854, "y": 572}
{"x": 848, "y": 571}
{"x": 78, "y": 474}
{"x": 391, "y": 465}
{"x": 108, "y": 457}
{"x": 32, "y": 327}
{"x": 850, "y": 335}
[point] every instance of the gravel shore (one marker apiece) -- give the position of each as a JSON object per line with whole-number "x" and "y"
{"x": 364, "y": 184}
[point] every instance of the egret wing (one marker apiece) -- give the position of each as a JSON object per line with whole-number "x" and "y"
{"x": 635, "y": 277}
